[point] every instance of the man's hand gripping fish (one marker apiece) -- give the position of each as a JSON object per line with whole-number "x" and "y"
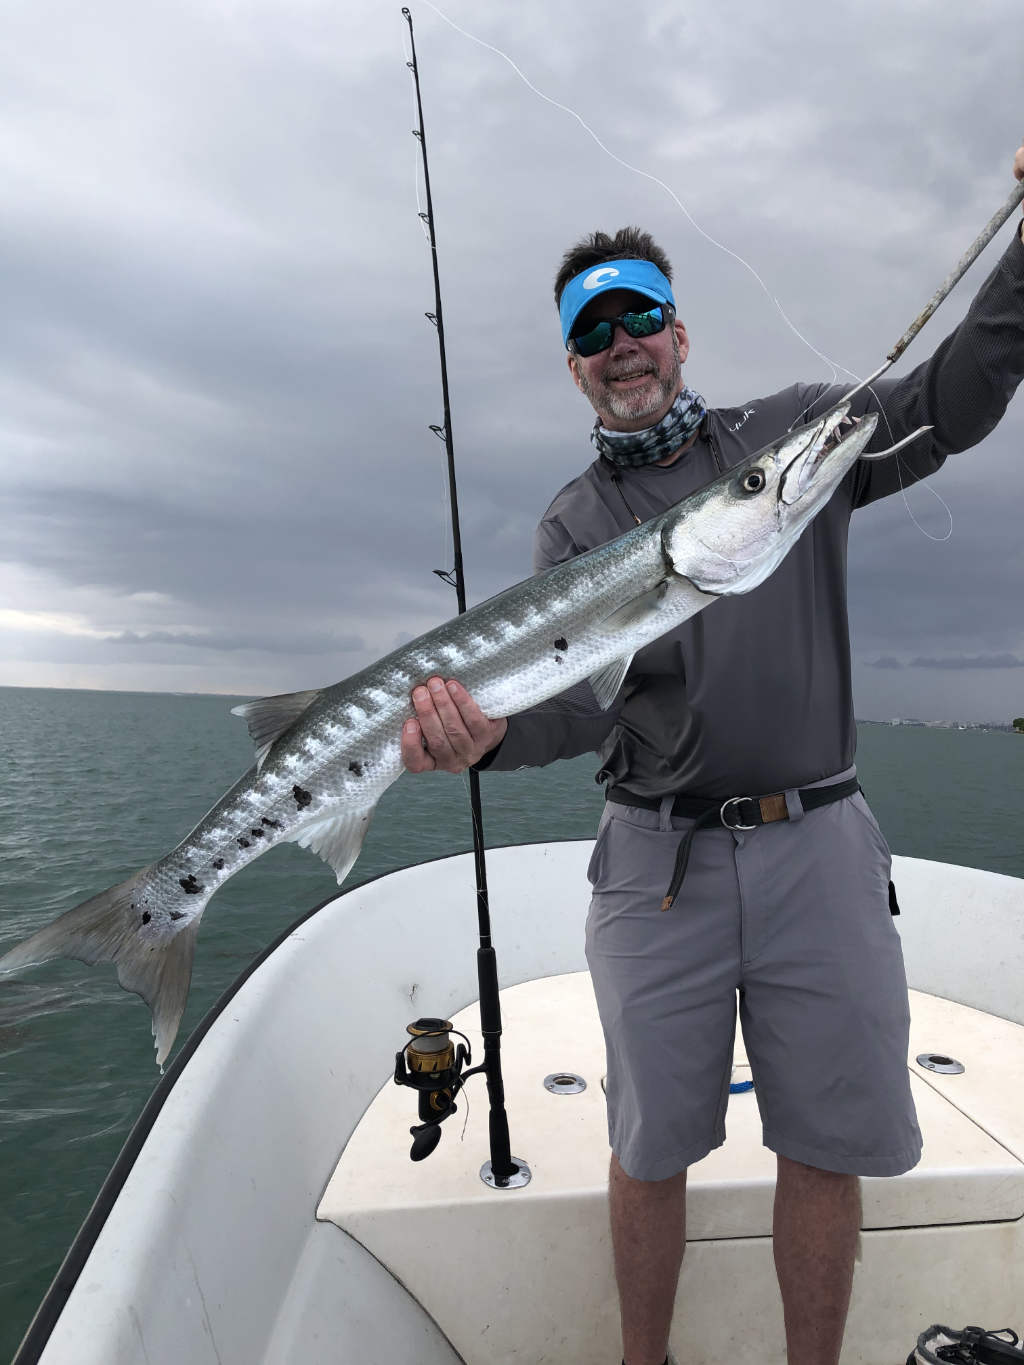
{"x": 325, "y": 757}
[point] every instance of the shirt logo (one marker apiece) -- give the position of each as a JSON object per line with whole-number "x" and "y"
{"x": 597, "y": 277}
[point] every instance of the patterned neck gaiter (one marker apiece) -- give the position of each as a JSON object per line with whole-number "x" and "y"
{"x": 633, "y": 448}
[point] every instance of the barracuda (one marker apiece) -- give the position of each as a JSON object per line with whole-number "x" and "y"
{"x": 325, "y": 757}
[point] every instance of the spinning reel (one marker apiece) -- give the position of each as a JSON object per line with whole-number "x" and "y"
{"x": 432, "y": 1064}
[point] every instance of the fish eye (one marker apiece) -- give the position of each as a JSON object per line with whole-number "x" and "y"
{"x": 753, "y": 480}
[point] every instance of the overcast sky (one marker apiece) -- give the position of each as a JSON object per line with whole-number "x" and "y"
{"x": 216, "y": 378}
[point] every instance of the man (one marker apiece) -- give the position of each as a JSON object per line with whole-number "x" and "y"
{"x": 753, "y": 695}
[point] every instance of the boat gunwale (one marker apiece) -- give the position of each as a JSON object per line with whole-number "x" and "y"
{"x": 54, "y": 1301}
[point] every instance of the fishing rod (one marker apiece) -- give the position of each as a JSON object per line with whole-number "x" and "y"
{"x": 1013, "y": 200}
{"x": 429, "y": 1062}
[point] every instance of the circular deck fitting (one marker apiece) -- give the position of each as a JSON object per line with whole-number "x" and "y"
{"x": 935, "y": 1061}
{"x": 514, "y": 1182}
{"x": 565, "y": 1083}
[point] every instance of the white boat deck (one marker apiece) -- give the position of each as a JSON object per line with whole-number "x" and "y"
{"x": 435, "y": 1225}
{"x": 213, "y": 1253}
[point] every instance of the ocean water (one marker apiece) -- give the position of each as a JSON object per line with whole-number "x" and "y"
{"x": 96, "y": 784}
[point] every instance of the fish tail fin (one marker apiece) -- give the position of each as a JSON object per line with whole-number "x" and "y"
{"x": 107, "y": 929}
{"x": 162, "y": 975}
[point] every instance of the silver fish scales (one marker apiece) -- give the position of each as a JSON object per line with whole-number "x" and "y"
{"x": 325, "y": 757}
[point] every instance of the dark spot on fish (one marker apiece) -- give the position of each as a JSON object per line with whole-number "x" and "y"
{"x": 189, "y": 885}
{"x": 302, "y": 798}
{"x": 356, "y": 768}
{"x": 218, "y": 863}
{"x": 176, "y": 915}
{"x": 257, "y": 833}
{"x": 559, "y": 659}
{"x": 562, "y": 643}
{"x": 146, "y": 917}
{"x": 266, "y": 820}
{"x": 242, "y": 842}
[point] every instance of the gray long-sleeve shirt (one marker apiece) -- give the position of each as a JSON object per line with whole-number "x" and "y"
{"x": 754, "y": 694}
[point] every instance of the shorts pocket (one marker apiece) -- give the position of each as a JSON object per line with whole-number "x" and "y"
{"x": 595, "y": 867}
{"x": 865, "y": 812}
{"x": 878, "y": 844}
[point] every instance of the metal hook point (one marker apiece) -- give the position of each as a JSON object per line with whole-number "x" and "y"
{"x": 881, "y": 454}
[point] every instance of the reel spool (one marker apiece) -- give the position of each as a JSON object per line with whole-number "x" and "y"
{"x": 431, "y": 1064}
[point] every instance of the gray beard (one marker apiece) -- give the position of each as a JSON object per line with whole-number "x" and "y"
{"x": 632, "y": 407}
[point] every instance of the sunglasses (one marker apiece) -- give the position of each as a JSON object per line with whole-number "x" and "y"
{"x": 636, "y": 325}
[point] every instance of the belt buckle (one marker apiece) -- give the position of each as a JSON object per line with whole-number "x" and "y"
{"x": 732, "y": 801}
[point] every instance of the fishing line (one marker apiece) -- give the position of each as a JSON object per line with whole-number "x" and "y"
{"x": 647, "y": 175}
{"x": 446, "y": 533}
{"x": 446, "y": 517}
{"x": 421, "y": 217}
{"x": 407, "y": 54}
{"x": 900, "y": 466}
{"x": 928, "y": 489}
{"x": 477, "y": 829}
{"x": 464, "y": 1092}
{"x": 835, "y": 368}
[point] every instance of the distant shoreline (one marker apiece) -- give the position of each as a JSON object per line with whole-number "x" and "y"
{"x": 996, "y": 727}
{"x": 117, "y": 691}
{"x": 990, "y": 726}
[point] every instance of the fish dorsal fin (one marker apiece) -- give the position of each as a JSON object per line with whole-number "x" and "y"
{"x": 607, "y": 681}
{"x": 269, "y": 717}
{"x": 336, "y": 839}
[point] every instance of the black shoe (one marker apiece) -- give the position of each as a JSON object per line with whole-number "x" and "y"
{"x": 972, "y": 1346}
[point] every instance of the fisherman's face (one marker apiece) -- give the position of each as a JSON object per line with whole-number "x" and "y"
{"x": 634, "y": 383}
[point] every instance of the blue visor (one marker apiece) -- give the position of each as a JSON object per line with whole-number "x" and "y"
{"x": 639, "y": 277}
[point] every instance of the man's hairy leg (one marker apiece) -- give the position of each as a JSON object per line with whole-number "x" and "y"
{"x": 648, "y": 1237}
{"x": 816, "y": 1225}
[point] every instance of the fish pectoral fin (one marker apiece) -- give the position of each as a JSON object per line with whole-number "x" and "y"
{"x": 607, "y": 681}
{"x": 337, "y": 840}
{"x": 269, "y": 717}
{"x": 636, "y": 610}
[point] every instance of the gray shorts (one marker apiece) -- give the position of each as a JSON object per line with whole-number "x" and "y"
{"x": 794, "y": 917}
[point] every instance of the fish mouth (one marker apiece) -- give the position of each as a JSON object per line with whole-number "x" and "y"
{"x": 836, "y": 440}
{"x": 812, "y": 460}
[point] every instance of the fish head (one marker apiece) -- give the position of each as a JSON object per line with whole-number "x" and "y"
{"x": 730, "y": 535}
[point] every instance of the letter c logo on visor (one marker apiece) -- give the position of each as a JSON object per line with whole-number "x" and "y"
{"x": 598, "y": 277}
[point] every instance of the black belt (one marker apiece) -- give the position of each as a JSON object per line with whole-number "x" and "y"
{"x": 737, "y": 812}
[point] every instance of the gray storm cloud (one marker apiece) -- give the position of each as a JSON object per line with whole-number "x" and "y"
{"x": 216, "y": 378}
